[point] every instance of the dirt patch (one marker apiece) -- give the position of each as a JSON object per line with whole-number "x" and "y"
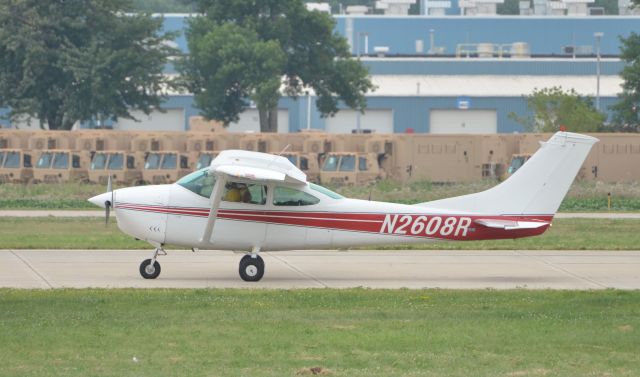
{"x": 314, "y": 371}
{"x": 532, "y": 372}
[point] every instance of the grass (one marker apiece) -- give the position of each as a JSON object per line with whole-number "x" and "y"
{"x": 353, "y": 332}
{"x": 91, "y": 233}
{"x": 583, "y": 196}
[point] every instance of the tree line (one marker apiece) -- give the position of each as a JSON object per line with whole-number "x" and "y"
{"x": 73, "y": 61}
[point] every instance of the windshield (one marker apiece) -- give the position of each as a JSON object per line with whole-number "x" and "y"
{"x": 204, "y": 161}
{"x": 116, "y": 161}
{"x": 516, "y": 163}
{"x": 45, "y": 160}
{"x": 170, "y": 161}
{"x": 199, "y": 182}
{"x": 153, "y": 161}
{"x": 61, "y": 160}
{"x": 325, "y": 191}
{"x": 331, "y": 163}
{"x": 348, "y": 163}
{"x": 99, "y": 161}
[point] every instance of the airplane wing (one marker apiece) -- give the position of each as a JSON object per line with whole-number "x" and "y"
{"x": 246, "y": 165}
{"x": 510, "y": 224}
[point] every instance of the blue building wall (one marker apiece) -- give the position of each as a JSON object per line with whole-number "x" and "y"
{"x": 545, "y": 35}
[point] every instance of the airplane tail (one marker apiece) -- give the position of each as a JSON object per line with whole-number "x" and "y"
{"x": 537, "y": 188}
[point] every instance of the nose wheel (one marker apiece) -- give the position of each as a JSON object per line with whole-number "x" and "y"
{"x": 251, "y": 267}
{"x": 150, "y": 268}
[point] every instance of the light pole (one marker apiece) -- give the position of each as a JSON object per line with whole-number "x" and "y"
{"x": 598, "y": 36}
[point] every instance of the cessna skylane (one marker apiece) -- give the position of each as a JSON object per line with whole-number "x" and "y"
{"x": 256, "y": 202}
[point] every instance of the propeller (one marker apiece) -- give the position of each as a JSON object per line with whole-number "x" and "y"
{"x": 108, "y": 203}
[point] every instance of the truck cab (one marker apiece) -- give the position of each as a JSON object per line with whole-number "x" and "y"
{"x": 54, "y": 166}
{"x": 165, "y": 167}
{"x": 344, "y": 168}
{"x": 16, "y": 166}
{"x": 122, "y": 166}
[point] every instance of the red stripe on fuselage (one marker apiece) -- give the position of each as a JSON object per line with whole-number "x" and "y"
{"x": 409, "y": 225}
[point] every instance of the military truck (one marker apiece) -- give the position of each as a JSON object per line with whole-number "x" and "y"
{"x": 344, "y": 168}
{"x": 16, "y": 166}
{"x": 123, "y": 166}
{"x": 55, "y": 166}
{"x": 165, "y": 167}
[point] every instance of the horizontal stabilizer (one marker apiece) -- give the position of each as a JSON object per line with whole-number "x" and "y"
{"x": 510, "y": 224}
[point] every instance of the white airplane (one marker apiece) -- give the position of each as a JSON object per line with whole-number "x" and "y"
{"x": 255, "y": 202}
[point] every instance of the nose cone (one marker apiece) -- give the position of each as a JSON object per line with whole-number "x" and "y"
{"x": 100, "y": 200}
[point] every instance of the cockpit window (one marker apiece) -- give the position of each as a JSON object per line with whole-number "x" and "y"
{"x": 287, "y": 196}
{"x": 199, "y": 182}
{"x": 239, "y": 192}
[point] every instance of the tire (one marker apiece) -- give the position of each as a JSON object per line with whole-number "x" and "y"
{"x": 149, "y": 272}
{"x": 251, "y": 269}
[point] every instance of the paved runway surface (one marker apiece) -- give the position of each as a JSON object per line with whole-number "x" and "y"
{"x": 334, "y": 269}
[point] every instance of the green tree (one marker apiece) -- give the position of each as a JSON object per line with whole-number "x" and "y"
{"x": 78, "y": 60}
{"x": 244, "y": 50}
{"x": 627, "y": 110}
{"x": 553, "y": 108}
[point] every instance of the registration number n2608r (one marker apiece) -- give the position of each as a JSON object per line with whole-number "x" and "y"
{"x": 425, "y": 225}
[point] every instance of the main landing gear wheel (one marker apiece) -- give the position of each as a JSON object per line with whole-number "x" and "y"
{"x": 149, "y": 270}
{"x": 251, "y": 268}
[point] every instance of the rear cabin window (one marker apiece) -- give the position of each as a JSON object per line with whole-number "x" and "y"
{"x": 286, "y": 196}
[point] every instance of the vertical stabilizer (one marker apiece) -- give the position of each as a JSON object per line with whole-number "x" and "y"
{"x": 537, "y": 188}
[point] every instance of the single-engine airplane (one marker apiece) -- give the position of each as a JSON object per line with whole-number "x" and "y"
{"x": 255, "y": 202}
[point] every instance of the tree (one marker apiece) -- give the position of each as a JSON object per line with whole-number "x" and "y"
{"x": 78, "y": 60}
{"x": 627, "y": 110}
{"x": 243, "y": 50}
{"x": 553, "y": 108}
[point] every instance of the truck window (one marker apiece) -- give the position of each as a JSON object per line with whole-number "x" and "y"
{"x": 75, "y": 161}
{"x": 153, "y": 161}
{"x": 362, "y": 163}
{"x": 61, "y": 160}
{"x": 304, "y": 163}
{"x": 26, "y": 160}
{"x": 99, "y": 161}
{"x": 169, "y": 161}
{"x": 12, "y": 160}
{"x": 131, "y": 162}
{"x": 44, "y": 162}
{"x": 331, "y": 163}
{"x": 348, "y": 163}
{"x": 116, "y": 161}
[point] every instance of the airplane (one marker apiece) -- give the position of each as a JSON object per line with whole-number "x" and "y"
{"x": 256, "y": 202}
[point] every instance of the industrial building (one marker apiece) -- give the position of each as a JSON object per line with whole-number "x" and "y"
{"x": 441, "y": 73}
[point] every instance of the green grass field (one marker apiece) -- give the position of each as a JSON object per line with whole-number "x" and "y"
{"x": 91, "y": 233}
{"x": 583, "y": 196}
{"x": 340, "y": 332}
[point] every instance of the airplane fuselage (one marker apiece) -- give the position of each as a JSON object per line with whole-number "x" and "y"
{"x": 172, "y": 214}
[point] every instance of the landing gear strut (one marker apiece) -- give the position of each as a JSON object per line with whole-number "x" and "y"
{"x": 251, "y": 267}
{"x": 150, "y": 268}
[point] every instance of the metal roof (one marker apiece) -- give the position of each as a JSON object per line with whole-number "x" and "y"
{"x": 489, "y": 85}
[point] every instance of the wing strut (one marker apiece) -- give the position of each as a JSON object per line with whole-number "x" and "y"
{"x": 215, "y": 199}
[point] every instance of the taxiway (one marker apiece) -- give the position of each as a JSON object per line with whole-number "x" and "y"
{"x": 333, "y": 269}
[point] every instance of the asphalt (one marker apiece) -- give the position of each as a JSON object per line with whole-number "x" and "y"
{"x": 100, "y": 213}
{"x": 580, "y": 270}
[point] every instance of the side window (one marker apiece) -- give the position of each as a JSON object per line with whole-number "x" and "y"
{"x": 75, "y": 163}
{"x": 27, "y": 161}
{"x": 286, "y": 196}
{"x": 245, "y": 193}
{"x": 131, "y": 162}
{"x": 304, "y": 163}
{"x": 184, "y": 162}
{"x": 362, "y": 163}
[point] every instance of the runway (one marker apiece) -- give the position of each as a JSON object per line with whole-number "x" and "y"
{"x": 327, "y": 269}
